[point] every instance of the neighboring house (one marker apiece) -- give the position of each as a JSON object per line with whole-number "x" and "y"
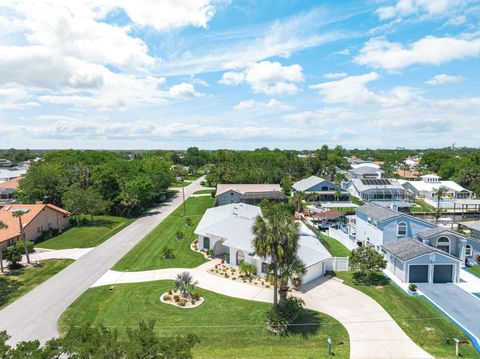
{"x": 378, "y": 227}
{"x": 5, "y": 163}
{"x": 366, "y": 172}
{"x": 7, "y": 190}
{"x": 326, "y": 190}
{"x": 228, "y": 231}
{"x": 472, "y": 226}
{"x": 11, "y": 173}
{"x": 415, "y": 262}
{"x": 248, "y": 193}
{"x": 355, "y": 160}
{"x": 385, "y": 192}
{"x": 37, "y": 218}
{"x": 327, "y": 219}
{"x": 407, "y": 174}
{"x": 428, "y": 186}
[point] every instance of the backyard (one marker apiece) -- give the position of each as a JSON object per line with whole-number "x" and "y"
{"x": 424, "y": 324}
{"x": 87, "y": 235}
{"x": 335, "y": 248}
{"x": 147, "y": 254}
{"x": 16, "y": 284}
{"x": 227, "y": 327}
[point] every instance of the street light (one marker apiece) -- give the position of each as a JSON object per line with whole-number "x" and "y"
{"x": 329, "y": 341}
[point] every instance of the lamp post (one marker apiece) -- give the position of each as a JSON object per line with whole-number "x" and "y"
{"x": 329, "y": 341}
{"x": 457, "y": 344}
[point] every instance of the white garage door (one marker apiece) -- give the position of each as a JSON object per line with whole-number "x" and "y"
{"x": 313, "y": 272}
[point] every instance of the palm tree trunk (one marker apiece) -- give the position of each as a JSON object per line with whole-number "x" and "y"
{"x": 22, "y": 233}
{"x": 1, "y": 260}
{"x": 275, "y": 281}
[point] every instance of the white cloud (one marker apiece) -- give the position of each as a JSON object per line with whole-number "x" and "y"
{"x": 267, "y": 77}
{"x": 183, "y": 91}
{"x": 430, "y": 50}
{"x": 255, "y": 105}
{"x": 409, "y": 7}
{"x": 441, "y": 79}
{"x": 335, "y": 75}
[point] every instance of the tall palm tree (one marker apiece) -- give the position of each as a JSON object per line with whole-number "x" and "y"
{"x": 441, "y": 192}
{"x": 2, "y": 226}
{"x": 18, "y": 214}
{"x": 276, "y": 237}
{"x": 297, "y": 201}
{"x": 291, "y": 270}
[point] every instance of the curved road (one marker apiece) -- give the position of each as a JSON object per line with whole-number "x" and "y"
{"x": 35, "y": 315}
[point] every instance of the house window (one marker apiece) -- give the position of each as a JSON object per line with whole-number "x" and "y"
{"x": 324, "y": 188}
{"x": 402, "y": 229}
{"x": 206, "y": 243}
{"x": 369, "y": 220}
{"x": 240, "y": 257}
{"x": 49, "y": 225}
{"x": 468, "y": 250}
{"x": 39, "y": 229}
{"x": 264, "y": 267}
{"x": 443, "y": 243}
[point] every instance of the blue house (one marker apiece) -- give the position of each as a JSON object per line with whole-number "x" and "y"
{"x": 381, "y": 228}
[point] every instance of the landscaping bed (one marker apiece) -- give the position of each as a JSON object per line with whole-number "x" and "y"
{"x": 17, "y": 283}
{"x": 226, "y": 271}
{"x": 227, "y": 327}
{"x": 150, "y": 252}
{"x": 89, "y": 234}
{"x": 422, "y": 322}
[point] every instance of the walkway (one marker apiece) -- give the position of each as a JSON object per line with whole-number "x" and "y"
{"x": 461, "y": 306}
{"x": 44, "y": 254}
{"x": 35, "y": 315}
{"x": 373, "y": 333}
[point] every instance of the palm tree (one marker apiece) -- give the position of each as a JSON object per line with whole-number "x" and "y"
{"x": 2, "y": 226}
{"x": 441, "y": 192}
{"x": 297, "y": 201}
{"x": 185, "y": 284}
{"x": 18, "y": 214}
{"x": 291, "y": 270}
{"x": 337, "y": 195}
{"x": 276, "y": 237}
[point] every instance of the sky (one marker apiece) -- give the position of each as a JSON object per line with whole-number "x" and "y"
{"x": 170, "y": 74}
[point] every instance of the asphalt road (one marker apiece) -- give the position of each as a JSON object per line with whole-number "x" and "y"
{"x": 35, "y": 315}
{"x": 459, "y": 304}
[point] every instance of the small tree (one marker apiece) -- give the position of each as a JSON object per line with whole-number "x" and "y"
{"x": 366, "y": 262}
{"x": 13, "y": 255}
{"x": 188, "y": 221}
{"x": 18, "y": 213}
{"x": 441, "y": 192}
{"x": 247, "y": 269}
{"x": 185, "y": 284}
{"x": 180, "y": 235}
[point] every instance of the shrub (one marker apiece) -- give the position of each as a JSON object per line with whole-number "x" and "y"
{"x": 188, "y": 221}
{"x": 183, "y": 302}
{"x": 167, "y": 297}
{"x": 167, "y": 253}
{"x": 176, "y": 298}
{"x": 247, "y": 268}
{"x": 19, "y": 246}
{"x": 276, "y": 323}
{"x": 196, "y": 296}
{"x": 180, "y": 235}
{"x": 367, "y": 263}
{"x": 290, "y": 308}
{"x": 13, "y": 256}
{"x": 412, "y": 287}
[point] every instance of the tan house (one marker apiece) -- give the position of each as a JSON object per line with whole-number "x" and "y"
{"x": 36, "y": 219}
{"x": 248, "y": 193}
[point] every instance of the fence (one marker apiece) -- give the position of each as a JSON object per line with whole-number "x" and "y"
{"x": 337, "y": 264}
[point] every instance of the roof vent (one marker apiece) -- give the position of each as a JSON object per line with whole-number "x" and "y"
{"x": 16, "y": 210}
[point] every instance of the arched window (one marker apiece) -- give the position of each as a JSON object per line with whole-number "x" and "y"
{"x": 443, "y": 243}
{"x": 468, "y": 250}
{"x": 402, "y": 229}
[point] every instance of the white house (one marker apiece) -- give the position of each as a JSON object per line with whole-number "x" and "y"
{"x": 248, "y": 193}
{"x": 429, "y": 184}
{"x": 228, "y": 231}
{"x": 326, "y": 190}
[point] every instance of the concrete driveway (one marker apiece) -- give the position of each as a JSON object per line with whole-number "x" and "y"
{"x": 461, "y": 306}
{"x": 35, "y": 315}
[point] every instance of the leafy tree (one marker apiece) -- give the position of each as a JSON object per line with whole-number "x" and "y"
{"x": 366, "y": 262}
{"x": 83, "y": 201}
{"x": 276, "y": 237}
{"x": 13, "y": 255}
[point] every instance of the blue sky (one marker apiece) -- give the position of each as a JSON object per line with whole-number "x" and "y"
{"x": 239, "y": 74}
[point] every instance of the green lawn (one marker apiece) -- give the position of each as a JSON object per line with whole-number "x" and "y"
{"x": 335, "y": 248}
{"x": 422, "y": 322}
{"x": 227, "y": 327}
{"x": 146, "y": 255}
{"x": 424, "y": 206}
{"x": 357, "y": 201}
{"x": 475, "y": 270}
{"x": 16, "y": 284}
{"x": 203, "y": 191}
{"x": 87, "y": 235}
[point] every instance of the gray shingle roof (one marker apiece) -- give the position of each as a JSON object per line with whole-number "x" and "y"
{"x": 363, "y": 170}
{"x": 378, "y": 212}
{"x": 432, "y": 231}
{"x": 307, "y": 183}
{"x": 408, "y": 248}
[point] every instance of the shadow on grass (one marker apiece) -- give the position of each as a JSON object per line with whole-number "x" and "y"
{"x": 7, "y": 287}
{"x": 374, "y": 279}
{"x": 306, "y": 325}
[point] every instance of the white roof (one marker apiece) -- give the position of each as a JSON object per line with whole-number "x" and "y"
{"x": 365, "y": 164}
{"x": 307, "y": 183}
{"x": 6, "y": 175}
{"x": 244, "y": 188}
{"x": 422, "y": 186}
{"x": 233, "y": 222}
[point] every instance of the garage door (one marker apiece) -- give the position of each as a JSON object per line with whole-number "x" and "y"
{"x": 442, "y": 273}
{"x": 418, "y": 274}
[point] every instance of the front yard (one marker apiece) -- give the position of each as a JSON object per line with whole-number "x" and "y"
{"x": 147, "y": 254}
{"x": 474, "y": 270}
{"x": 422, "y": 322}
{"x": 16, "y": 284}
{"x": 227, "y": 327}
{"x": 87, "y": 235}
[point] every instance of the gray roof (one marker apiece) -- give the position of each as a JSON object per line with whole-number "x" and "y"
{"x": 432, "y": 231}
{"x": 472, "y": 225}
{"x": 361, "y": 187}
{"x": 408, "y": 248}
{"x": 307, "y": 183}
{"x": 363, "y": 170}
{"x": 378, "y": 212}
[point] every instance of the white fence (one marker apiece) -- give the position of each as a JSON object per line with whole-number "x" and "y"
{"x": 337, "y": 264}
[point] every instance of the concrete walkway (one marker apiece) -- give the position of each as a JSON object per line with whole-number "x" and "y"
{"x": 373, "y": 333}
{"x": 44, "y": 254}
{"x": 35, "y": 315}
